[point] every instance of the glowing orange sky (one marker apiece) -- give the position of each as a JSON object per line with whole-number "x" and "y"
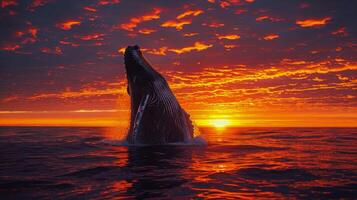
{"x": 241, "y": 62}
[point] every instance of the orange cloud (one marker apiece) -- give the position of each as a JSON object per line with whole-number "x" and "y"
{"x": 240, "y": 11}
{"x": 68, "y": 43}
{"x": 135, "y": 21}
{"x": 313, "y": 22}
{"x": 189, "y": 13}
{"x": 341, "y": 31}
{"x": 10, "y": 47}
{"x": 96, "y": 36}
{"x": 271, "y": 37}
{"x": 5, "y": 3}
{"x": 122, "y": 50}
{"x": 176, "y": 24}
{"x": 10, "y": 98}
{"x": 161, "y": 51}
{"x": 224, "y": 4}
{"x": 198, "y": 46}
{"x": 107, "y": 2}
{"x": 230, "y": 46}
{"x": 147, "y": 31}
{"x": 342, "y": 78}
{"x": 37, "y": 3}
{"x": 266, "y": 17}
{"x": 55, "y": 50}
{"x": 180, "y": 21}
{"x": 261, "y": 18}
{"x": 189, "y": 34}
{"x": 33, "y": 32}
{"x": 228, "y": 37}
{"x": 87, "y": 91}
{"x": 90, "y": 9}
{"x": 67, "y": 25}
{"x": 213, "y": 24}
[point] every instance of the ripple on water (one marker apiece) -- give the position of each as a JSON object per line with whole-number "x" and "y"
{"x": 83, "y": 163}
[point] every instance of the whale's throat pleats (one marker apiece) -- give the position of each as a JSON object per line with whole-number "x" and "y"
{"x": 138, "y": 117}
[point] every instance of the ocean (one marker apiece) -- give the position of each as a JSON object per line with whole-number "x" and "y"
{"x": 236, "y": 163}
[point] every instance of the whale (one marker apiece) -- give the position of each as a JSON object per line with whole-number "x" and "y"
{"x": 156, "y": 117}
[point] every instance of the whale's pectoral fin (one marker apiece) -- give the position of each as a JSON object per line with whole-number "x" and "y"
{"x": 138, "y": 117}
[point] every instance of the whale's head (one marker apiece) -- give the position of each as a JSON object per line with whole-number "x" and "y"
{"x": 139, "y": 72}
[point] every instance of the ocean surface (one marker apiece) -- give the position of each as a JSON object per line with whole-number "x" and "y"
{"x": 237, "y": 163}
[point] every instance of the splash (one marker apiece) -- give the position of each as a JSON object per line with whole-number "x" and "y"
{"x": 196, "y": 141}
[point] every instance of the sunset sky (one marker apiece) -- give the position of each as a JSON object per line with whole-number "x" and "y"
{"x": 230, "y": 62}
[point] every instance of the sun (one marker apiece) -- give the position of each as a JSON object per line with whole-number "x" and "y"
{"x": 220, "y": 123}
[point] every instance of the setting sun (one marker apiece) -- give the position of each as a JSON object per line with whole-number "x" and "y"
{"x": 220, "y": 123}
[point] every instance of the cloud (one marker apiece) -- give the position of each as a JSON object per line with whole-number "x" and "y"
{"x": 135, "y": 21}
{"x": 230, "y": 46}
{"x": 10, "y": 98}
{"x": 182, "y": 19}
{"x": 37, "y": 3}
{"x": 176, "y": 24}
{"x": 107, "y": 2}
{"x": 10, "y": 47}
{"x": 33, "y": 32}
{"x": 69, "y": 43}
{"x": 313, "y": 22}
{"x": 189, "y": 13}
{"x": 87, "y": 92}
{"x": 94, "y": 36}
{"x": 341, "y": 31}
{"x": 67, "y": 25}
{"x": 189, "y": 34}
{"x": 5, "y": 3}
{"x": 146, "y": 31}
{"x": 228, "y": 37}
{"x": 240, "y": 11}
{"x": 268, "y": 18}
{"x": 90, "y": 9}
{"x": 55, "y": 50}
{"x": 271, "y": 37}
{"x": 213, "y": 24}
{"x": 198, "y": 46}
{"x": 161, "y": 51}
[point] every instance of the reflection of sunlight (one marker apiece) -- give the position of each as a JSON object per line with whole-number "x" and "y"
{"x": 121, "y": 185}
{"x": 115, "y": 133}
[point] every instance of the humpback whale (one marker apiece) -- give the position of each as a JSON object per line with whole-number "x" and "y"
{"x": 156, "y": 115}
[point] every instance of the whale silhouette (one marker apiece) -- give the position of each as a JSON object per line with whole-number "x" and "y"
{"x": 156, "y": 115}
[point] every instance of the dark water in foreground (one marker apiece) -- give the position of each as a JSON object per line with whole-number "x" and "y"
{"x": 80, "y": 163}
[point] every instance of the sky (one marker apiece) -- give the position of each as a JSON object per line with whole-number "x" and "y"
{"x": 229, "y": 62}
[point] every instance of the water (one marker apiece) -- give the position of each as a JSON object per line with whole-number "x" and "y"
{"x": 83, "y": 163}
